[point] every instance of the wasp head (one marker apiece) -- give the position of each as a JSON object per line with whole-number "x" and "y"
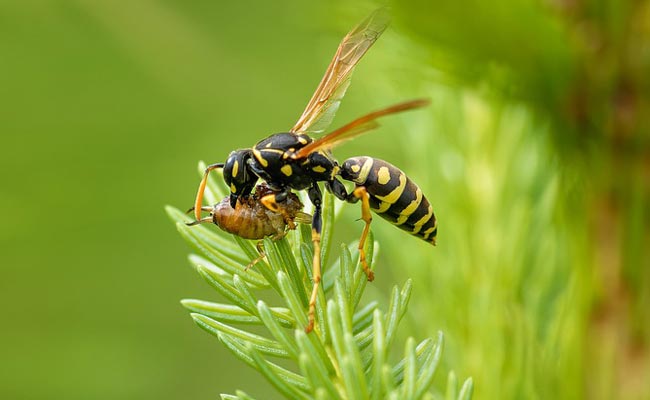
{"x": 237, "y": 176}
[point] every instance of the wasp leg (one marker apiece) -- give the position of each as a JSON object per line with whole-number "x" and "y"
{"x": 199, "y": 194}
{"x": 260, "y": 250}
{"x": 360, "y": 193}
{"x": 316, "y": 198}
{"x": 271, "y": 201}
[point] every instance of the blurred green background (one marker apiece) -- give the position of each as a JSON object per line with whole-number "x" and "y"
{"x": 535, "y": 154}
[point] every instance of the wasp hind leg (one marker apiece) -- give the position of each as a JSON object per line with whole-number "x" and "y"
{"x": 201, "y": 191}
{"x": 360, "y": 193}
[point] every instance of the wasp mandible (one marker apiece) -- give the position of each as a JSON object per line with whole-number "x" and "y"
{"x": 295, "y": 161}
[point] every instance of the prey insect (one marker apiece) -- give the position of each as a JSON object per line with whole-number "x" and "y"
{"x": 251, "y": 219}
{"x": 295, "y": 161}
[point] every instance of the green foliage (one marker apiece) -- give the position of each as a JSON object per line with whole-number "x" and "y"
{"x": 533, "y": 154}
{"x": 348, "y": 354}
{"x": 546, "y": 116}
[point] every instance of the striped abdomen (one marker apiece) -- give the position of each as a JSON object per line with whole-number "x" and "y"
{"x": 393, "y": 196}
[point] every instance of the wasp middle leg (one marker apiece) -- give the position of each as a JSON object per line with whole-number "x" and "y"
{"x": 271, "y": 201}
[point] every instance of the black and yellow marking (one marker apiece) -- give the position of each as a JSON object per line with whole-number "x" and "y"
{"x": 393, "y": 196}
{"x": 287, "y": 170}
{"x": 264, "y": 155}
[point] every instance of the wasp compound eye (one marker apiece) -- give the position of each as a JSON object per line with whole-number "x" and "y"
{"x": 235, "y": 173}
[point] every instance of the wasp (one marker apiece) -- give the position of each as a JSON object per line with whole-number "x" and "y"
{"x": 295, "y": 161}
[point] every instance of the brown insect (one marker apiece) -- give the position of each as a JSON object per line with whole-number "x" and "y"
{"x": 251, "y": 219}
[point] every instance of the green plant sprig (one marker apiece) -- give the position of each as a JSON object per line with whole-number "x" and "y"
{"x": 347, "y": 355}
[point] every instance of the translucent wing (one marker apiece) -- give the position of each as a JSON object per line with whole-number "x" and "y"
{"x": 326, "y": 99}
{"x": 357, "y": 127}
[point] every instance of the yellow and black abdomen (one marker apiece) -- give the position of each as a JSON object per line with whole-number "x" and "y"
{"x": 392, "y": 195}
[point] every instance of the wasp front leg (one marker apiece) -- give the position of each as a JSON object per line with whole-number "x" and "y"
{"x": 199, "y": 195}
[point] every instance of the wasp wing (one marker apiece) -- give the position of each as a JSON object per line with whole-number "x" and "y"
{"x": 326, "y": 99}
{"x": 357, "y": 127}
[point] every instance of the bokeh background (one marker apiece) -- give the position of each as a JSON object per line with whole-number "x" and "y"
{"x": 535, "y": 153}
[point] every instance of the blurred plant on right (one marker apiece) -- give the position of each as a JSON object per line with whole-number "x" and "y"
{"x": 537, "y": 155}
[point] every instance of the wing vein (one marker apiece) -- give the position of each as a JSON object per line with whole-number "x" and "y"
{"x": 325, "y": 101}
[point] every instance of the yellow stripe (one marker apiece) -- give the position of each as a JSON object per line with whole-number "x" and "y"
{"x": 259, "y": 158}
{"x": 410, "y": 209}
{"x": 334, "y": 172}
{"x": 422, "y": 221}
{"x": 278, "y": 151}
{"x": 258, "y": 155}
{"x": 286, "y": 154}
{"x": 393, "y": 196}
{"x": 383, "y": 207}
{"x": 428, "y": 232}
{"x": 365, "y": 170}
{"x": 235, "y": 168}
